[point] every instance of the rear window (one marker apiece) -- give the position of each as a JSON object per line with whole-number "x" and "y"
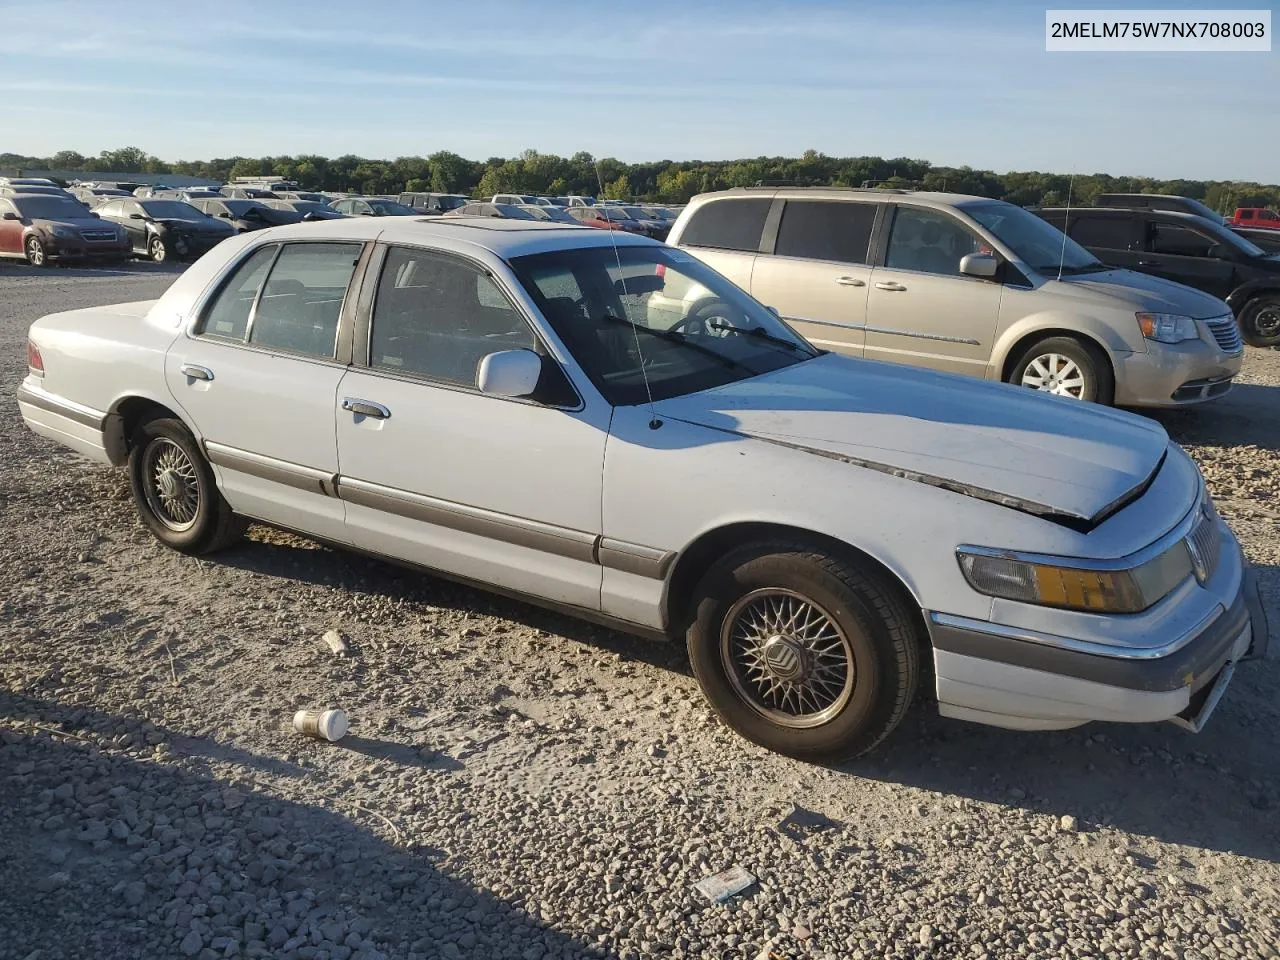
{"x": 728, "y": 224}
{"x": 826, "y": 230}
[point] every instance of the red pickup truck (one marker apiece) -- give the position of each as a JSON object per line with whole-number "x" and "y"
{"x": 1254, "y": 217}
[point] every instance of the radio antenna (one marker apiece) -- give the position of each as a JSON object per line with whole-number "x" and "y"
{"x": 1066, "y": 225}
{"x": 654, "y": 422}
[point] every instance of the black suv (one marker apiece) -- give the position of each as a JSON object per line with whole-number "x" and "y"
{"x": 1190, "y": 250}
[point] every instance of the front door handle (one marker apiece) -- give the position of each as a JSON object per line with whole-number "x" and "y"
{"x": 196, "y": 372}
{"x": 365, "y": 408}
{"x": 850, "y": 282}
{"x": 890, "y": 285}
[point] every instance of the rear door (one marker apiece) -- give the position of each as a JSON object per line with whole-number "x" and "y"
{"x": 921, "y": 310}
{"x": 1176, "y": 250}
{"x": 818, "y": 273}
{"x": 726, "y": 235}
{"x": 258, "y": 375}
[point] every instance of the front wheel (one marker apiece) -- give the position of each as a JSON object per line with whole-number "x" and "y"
{"x": 1065, "y": 367}
{"x": 175, "y": 493}
{"x": 157, "y": 250}
{"x": 803, "y": 653}
{"x": 37, "y": 256}
{"x": 1260, "y": 321}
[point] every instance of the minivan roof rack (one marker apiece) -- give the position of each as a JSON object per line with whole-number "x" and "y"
{"x": 775, "y": 184}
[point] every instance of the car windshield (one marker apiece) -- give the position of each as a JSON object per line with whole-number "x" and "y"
{"x": 637, "y": 213}
{"x": 40, "y": 207}
{"x": 1229, "y": 238}
{"x": 1037, "y": 243}
{"x": 613, "y": 213}
{"x": 652, "y": 320}
{"x": 512, "y": 212}
{"x": 171, "y": 209}
{"x": 389, "y": 208}
{"x": 452, "y": 203}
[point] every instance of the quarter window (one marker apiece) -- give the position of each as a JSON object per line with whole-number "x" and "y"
{"x": 928, "y": 242}
{"x": 728, "y": 224}
{"x": 300, "y": 305}
{"x": 826, "y": 230}
{"x": 438, "y": 317}
{"x": 228, "y": 317}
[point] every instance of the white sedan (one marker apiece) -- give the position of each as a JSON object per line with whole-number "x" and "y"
{"x": 488, "y": 400}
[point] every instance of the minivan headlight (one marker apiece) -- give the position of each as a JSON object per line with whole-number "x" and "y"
{"x": 1068, "y": 584}
{"x": 1168, "y": 327}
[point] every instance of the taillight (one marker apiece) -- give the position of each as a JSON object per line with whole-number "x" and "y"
{"x": 660, "y": 270}
{"x": 35, "y": 362}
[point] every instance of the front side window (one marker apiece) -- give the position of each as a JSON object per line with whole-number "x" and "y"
{"x": 927, "y": 241}
{"x": 652, "y": 320}
{"x": 1178, "y": 241}
{"x": 728, "y": 224}
{"x": 826, "y": 230}
{"x": 1268, "y": 215}
{"x": 301, "y": 302}
{"x": 228, "y": 315}
{"x": 437, "y": 316}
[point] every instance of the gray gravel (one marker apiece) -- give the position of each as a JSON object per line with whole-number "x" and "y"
{"x": 520, "y": 785}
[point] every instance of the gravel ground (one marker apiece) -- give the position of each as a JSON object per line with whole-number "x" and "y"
{"x": 517, "y": 784}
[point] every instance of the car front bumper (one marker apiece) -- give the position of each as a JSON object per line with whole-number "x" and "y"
{"x": 1175, "y": 375}
{"x": 60, "y": 248}
{"x": 1022, "y": 680}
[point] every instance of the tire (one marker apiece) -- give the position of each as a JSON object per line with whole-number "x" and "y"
{"x": 37, "y": 256}
{"x": 852, "y": 613}
{"x": 1260, "y": 321}
{"x": 1066, "y": 367}
{"x": 156, "y": 250}
{"x": 185, "y": 511}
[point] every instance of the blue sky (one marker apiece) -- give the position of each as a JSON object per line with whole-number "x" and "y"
{"x": 954, "y": 83}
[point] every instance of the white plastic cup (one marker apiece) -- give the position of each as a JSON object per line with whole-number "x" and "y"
{"x": 321, "y": 724}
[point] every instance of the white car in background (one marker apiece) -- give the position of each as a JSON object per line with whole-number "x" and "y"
{"x": 485, "y": 399}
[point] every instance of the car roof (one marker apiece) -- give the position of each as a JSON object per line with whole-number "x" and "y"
{"x": 921, "y": 197}
{"x": 502, "y": 237}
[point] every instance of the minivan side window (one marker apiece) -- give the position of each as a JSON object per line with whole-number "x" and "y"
{"x": 835, "y": 230}
{"x": 437, "y": 316}
{"x": 928, "y": 241}
{"x": 1107, "y": 233}
{"x": 1179, "y": 241}
{"x": 728, "y": 224}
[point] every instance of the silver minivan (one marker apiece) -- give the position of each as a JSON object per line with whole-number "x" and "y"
{"x": 960, "y": 284}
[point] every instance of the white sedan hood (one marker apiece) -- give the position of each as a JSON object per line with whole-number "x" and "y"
{"x": 1059, "y": 458}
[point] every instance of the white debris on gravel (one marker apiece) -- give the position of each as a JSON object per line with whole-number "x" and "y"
{"x": 525, "y": 786}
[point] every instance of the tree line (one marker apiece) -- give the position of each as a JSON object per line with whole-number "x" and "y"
{"x": 663, "y": 181}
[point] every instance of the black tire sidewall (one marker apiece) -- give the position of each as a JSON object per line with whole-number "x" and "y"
{"x": 1249, "y": 316}
{"x": 194, "y": 539}
{"x": 1097, "y": 385}
{"x": 862, "y": 721}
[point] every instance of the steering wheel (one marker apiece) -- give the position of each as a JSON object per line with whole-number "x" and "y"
{"x": 714, "y": 319}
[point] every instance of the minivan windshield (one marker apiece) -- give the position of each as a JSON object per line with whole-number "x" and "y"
{"x": 653, "y": 321}
{"x": 1038, "y": 244}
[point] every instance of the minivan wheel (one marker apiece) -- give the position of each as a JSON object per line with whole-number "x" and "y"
{"x": 175, "y": 493}
{"x": 1066, "y": 367}
{"x": 803, "y": 653}
{"x": 36, "y": 255}
{"x": 1260, "y": 321}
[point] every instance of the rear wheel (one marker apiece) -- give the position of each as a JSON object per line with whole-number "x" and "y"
{"x": 1065, "y": 367}
{"x": 175, "y": 493}
{"x": 1260, "y": 320}
{"x": 37, "y": 256}
{"x": 805, "y": 654}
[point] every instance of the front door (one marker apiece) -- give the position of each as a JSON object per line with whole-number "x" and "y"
{"x": 1180, "y": 252}
{"x": 10, "y": 230}
{"x": 134, "y": 220}
{"x": 505, "y": 492}
{"x": 258, "y": 376}
{"x": 921, "y": 310}
{"x": 818, "y": 274}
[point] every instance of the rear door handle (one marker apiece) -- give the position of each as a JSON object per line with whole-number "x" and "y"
{"x": 889, "y": 285}
{"x": 365, "y": 408}
{"x": 850, "y": 282}
{"x": 196, "y": 372}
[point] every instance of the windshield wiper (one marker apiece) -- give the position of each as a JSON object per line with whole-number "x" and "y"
{"x": 760, "y": 333}
{"x": 1095, "y": 267}
{"x": 673, "y": 337}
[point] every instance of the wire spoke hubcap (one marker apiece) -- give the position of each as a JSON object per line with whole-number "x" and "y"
{"x": 1054, "y": 373}
{"x": 172, "y": 486}
{"x": 787, "y": 658}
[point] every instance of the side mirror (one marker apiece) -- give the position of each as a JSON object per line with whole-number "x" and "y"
{"x": 8, "y": 215}
{"x": 982, "y": 265}
{"x": 1217, "y": 252}
{"x": 136, "y": 216}
{"x": 509, "y": 373}
{"x": 775, "y": 311}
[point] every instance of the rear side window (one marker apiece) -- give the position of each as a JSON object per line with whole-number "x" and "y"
{"x": 228, "y": 316}
{"x": 826, "y": 230}
{"x": 1179, "y": 241}
{"x": 1108, "y": 233}
{"x": 728, "y": 224}
{"x": 302, "y": 300}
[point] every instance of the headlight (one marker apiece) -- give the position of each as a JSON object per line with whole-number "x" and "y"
{"x": 1070, "y": 584}
{"x": 1168, "y": 327}
{"x": 67, "y": 233}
